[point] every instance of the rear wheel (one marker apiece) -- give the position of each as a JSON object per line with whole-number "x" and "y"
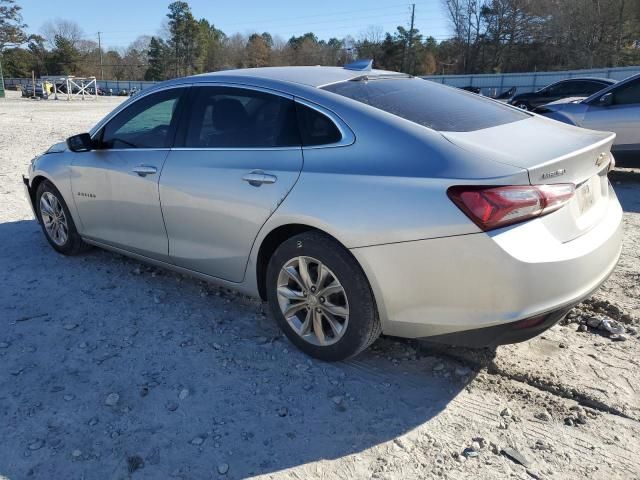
{"x": 56, "y": 221}
{"x": 321, "y": 298}
{"x": 522, "y": 105}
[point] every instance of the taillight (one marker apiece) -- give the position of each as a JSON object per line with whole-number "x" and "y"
{"x": 494, "y": 207}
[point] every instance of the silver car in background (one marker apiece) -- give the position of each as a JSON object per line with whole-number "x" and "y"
{"x": 355, "y": 201}
{"x": 615, "y": 108}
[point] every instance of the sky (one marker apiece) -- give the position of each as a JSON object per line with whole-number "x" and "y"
{"x": 122, "y": 21}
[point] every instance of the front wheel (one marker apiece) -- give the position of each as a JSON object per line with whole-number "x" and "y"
{"x": 321, "y": 298}
{"x": 56, "y": 220}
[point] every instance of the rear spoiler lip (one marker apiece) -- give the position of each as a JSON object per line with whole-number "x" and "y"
{"x": 609, "y": 139}
{"x": 593, "y": 140}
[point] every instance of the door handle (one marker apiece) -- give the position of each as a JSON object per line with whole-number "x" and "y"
{"x": 257, "y": 178}
{"x": 144, "y": 170}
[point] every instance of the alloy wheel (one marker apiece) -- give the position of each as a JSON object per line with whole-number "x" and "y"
{"x": 54, "y": 219}
{"x": 313, "y": 301}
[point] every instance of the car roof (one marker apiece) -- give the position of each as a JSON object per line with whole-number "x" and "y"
{"x": 609, "y": 81}
{"x": 612, "y": 87}
{"x": 314, "y": 76}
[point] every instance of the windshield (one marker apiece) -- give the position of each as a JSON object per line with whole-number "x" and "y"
{"x": 429, "y": 104}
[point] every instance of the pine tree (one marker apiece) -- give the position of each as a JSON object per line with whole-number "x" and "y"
{"x": 157, "y": 60}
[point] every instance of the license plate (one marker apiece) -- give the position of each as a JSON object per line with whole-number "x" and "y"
{"x": 585, "y": 197}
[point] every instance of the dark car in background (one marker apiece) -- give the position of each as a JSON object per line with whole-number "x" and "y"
{"x": 471, "y": 89}
{"x": 40, "y": 91}
{"x": 574, "y": 87}
{"x": 507, "y": 94}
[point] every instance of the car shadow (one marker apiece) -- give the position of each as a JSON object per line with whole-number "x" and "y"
{"x": 116, "y": 369}
{"x": 626, "y": 183}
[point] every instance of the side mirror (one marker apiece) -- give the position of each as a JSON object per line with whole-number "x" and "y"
{"x": 606, "y": 99}
{"x": 80, "y": 143}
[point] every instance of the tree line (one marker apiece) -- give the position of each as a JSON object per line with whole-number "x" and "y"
{"x": 487, "y": 36}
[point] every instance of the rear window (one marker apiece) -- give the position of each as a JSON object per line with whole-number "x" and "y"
{"x": 429, "y": 104}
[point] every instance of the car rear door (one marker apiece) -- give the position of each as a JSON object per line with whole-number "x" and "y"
{"x": 237, "y": 156}
{"x": 115, "y": 186}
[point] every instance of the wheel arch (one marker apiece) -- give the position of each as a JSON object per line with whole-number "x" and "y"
{"x": 276, "y": 237}
{"x": 63, "y": 185}
{"x": 37, "y": 180}
{"x": 270, "y": 243}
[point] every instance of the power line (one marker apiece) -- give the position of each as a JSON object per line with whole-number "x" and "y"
{"x": 332, "y": 14}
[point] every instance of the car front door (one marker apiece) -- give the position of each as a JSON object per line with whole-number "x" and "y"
{"x": 115, "y": 186}
{"x": 621, "y": 115}
{"x": 237, "y": 156}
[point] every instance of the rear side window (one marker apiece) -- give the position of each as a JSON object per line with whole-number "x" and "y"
{"x": 316, "y": 128}
{"x": 561, "y": 88}
{"x": 589, "y": 88}
{"x": 227, "y": 117}
{"x": 429, "y": 104}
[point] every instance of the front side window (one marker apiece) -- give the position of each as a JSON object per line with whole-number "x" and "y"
{"x": 627, "y": 94}
{"x": 228, "y": 117}
{"x": 146, "y": 123}
{"x": 428, "y": 103}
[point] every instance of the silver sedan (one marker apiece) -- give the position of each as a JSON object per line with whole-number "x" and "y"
{"x": 355, "y": 201}
{"x": 616, "y": 109}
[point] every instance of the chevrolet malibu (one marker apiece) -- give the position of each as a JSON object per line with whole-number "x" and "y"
{"x": 355, "y": 201}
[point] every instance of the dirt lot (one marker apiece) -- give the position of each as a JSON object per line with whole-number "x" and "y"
{"x": 112, "y": 369}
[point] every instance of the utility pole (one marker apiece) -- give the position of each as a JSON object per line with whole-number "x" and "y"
{"x": 413, "y": 17}
{"x": 100, "y": 50}
{"x": 409, "y": 44}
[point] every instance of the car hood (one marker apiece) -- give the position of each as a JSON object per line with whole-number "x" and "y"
{"x": 57, "y": 148}
{"x": 563, "y": 103}
{"x": 539, "y": 145}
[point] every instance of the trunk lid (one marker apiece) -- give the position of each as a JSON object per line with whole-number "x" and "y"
{"x": 552, "y": 152}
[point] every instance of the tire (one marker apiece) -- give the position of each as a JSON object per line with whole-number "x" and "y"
{"x": 344, "y": 335}
{"x": 523, "y": 106}
{"x": 68, "y": 244}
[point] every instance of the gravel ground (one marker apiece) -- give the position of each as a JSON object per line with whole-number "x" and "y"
{"x": 112, "y": 369}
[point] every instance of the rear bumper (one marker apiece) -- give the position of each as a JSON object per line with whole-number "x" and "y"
{"x": 456, "y": 288}
{"x": 506, "y": 333}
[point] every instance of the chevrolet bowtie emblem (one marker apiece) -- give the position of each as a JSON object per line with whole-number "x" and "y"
{"x": 602, "y": 158}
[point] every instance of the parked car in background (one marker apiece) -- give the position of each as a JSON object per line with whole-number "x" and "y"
{"x": 574, "y": 87}
{"x": 614, "y": 109}
{"x": 471, "y": 89}
{"x": 507, "y": 94}
{"x": 42, "y": 90}
{"x": 355, "y": 201}
{"x": 95, "y": 91}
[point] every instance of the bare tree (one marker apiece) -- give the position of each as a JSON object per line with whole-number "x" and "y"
{"x": 66, "y": 29}
{"x": 373, "y": 34}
